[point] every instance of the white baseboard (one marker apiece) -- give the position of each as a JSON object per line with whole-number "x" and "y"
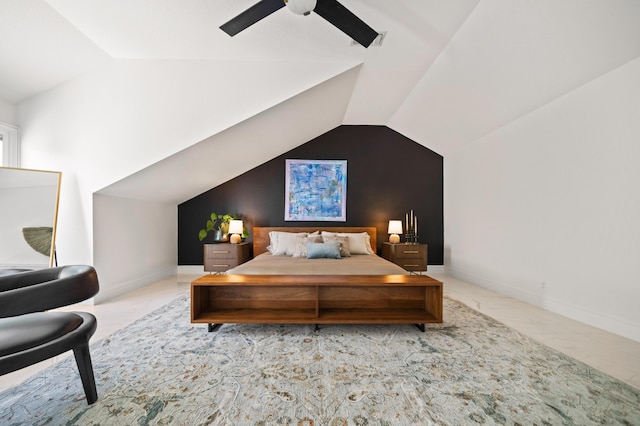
{"x": 191, "y": 269}
{"x": 435, "y": 269}
{"x": 604, "y": 321}
{"x": 109, "y": 291}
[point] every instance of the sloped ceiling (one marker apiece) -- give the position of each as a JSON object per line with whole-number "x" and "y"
{"x": 40, "y": 49}
{"x": 447, "y": 73}
{"x": 512, "y": 57}
{"x": 195, "y": 170}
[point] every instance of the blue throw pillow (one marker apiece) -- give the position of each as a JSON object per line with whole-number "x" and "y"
{"x": 323, "y": 250}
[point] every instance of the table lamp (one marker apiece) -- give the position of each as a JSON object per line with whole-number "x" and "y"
{"x": 236, "y": 230}
{"x": 395, "y": 228}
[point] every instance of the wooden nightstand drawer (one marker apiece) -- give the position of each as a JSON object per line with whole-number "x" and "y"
{"x": 220, "y": 257}
{"x": 219, "y": 265}
{"x": 411, "y": 251}
{"x": 220, "y": 251}
{"x": 412, "y": 265}
{"x": 412, "y": 257}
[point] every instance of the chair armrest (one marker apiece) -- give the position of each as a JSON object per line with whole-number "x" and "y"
{"x": 45, "y": 289}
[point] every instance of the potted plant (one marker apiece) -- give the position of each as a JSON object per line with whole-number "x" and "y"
{"x": 219, "y": 225}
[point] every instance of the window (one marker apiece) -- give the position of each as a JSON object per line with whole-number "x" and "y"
{"x": 9, "y": 148}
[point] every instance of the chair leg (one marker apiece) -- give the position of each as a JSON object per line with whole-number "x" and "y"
{"x": 85, "y": 368}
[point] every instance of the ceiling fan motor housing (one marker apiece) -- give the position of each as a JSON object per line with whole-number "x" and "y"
{"x": 301, "y": 7}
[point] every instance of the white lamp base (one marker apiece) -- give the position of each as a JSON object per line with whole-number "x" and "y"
{"x": 236, "y": 239}
{"x": 394, "y": 238}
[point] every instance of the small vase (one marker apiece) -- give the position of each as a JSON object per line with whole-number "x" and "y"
{"x": 219, "y": 237}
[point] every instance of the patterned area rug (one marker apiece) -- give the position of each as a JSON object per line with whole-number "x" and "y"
{"x": 162, "y": 370}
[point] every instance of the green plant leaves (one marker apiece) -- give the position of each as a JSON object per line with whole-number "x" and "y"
{"x": 218, "y": 221}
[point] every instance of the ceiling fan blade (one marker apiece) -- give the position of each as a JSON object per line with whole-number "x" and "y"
{"x": 346, "y": 21}
{"x": 252, "y": 15}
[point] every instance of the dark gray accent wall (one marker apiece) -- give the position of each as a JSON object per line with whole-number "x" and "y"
{"x": 388, "y": 174}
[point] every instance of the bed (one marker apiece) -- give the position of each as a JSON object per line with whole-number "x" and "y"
{"x": 361, "y": 288}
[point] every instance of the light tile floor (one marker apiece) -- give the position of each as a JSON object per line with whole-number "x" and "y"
{"x": 615, "y": 355}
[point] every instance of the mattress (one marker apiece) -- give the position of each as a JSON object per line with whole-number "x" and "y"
{"x": 268, "y": 264}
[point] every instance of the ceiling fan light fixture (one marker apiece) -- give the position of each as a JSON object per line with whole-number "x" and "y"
{"x": 301, "y": 7}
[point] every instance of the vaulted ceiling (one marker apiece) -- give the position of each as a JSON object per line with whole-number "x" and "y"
{"x": 446, "y": 73}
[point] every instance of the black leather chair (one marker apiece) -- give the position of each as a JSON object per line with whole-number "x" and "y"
{"x": 28, "y": 335}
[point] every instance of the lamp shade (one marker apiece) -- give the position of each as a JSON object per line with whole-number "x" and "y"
{"x": 395, "y": 227}
{"x": 235, "y": 227}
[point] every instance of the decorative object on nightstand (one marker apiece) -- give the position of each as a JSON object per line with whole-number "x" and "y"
{"x": 395, "y": 228}
{"x": 220, "y": 257}
{"x": 235, "y": 229}
{"x": 219, "y": 225}
{"x": 411, "y": 237}
{"x": 411, "y": 256}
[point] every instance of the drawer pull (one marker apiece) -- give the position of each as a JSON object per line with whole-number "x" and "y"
{"x": 411, "y": 251}
{"x": 216, "y": 265}
{"x": 222, "y": 251}
{"x": 409, "y": 264}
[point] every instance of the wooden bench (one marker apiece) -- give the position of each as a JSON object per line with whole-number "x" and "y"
{"x": 316, "y": 299}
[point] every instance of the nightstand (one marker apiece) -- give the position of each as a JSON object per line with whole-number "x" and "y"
{"x": 412, "y": 257}
{"x": 220, "y": 257}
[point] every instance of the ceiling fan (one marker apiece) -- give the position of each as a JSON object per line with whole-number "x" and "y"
{"x": 331, "y": 10}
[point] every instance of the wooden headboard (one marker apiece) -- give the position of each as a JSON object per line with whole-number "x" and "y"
{"x": 261, "y": 234}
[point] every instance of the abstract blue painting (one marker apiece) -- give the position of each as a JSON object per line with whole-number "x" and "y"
{"x": 316, "y": 190}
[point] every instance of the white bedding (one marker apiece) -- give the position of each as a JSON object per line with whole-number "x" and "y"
{"x": 268, "y": 264}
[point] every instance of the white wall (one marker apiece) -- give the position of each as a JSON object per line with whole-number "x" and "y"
{"x": 107, "y": 125}
{"x": 135, "y": 242}
{"x": 8, "y": 114}
{"x": 547, "y": 208}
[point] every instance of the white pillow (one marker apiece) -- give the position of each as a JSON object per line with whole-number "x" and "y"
{"x": 283, "y": 243}
{"x": 359, "y": 242}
